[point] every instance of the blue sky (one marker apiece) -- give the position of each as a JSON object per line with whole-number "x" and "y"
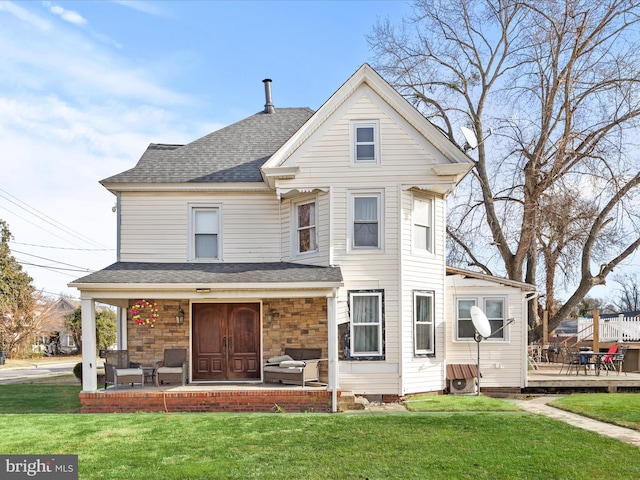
{"x": 85, "y": 86}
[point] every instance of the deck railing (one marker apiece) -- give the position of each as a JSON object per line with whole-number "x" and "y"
{"x": 620, "y": 329}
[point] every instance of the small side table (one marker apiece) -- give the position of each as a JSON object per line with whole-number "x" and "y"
{"x": 149, "y": 374}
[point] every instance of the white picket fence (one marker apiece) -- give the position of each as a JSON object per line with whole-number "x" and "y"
{"x": 620, "y": 329}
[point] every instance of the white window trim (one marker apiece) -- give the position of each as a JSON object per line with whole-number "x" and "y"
{"x": 414, "y": 247}
{"x": 294, "y": 227}
{"x": 192, "y": 208}
{"x": 379, "y": 194}
{"x": 380, "y": 323}
{"x": 420, "y": 351}
{"x": 481, "y": 300}
{"x": 376, "y": 143}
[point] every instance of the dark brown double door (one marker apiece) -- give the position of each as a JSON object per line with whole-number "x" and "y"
{"x": 226, "y": 341}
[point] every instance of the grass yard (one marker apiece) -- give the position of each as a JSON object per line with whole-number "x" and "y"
{"x": 39, "y": 398}
{"x": 618, "y": 408}
{"x": 321, "y": 446}
{"x": 446, "y": 437}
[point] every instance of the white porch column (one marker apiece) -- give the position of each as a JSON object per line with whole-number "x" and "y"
{"x": 89, "y": 371}
{"x": 332, "y": 314}
{"x": 121, "y": 333}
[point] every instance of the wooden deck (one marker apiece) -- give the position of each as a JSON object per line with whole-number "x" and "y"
{"x": 549, "y": 379}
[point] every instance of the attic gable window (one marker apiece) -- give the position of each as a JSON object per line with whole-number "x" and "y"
{"x": 365, "y": 143}
{"x": 204, "y": 232}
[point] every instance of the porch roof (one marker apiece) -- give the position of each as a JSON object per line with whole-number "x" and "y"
{"x": 177, "y": 274}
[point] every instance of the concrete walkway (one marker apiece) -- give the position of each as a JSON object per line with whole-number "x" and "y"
{"x": 539, "y": 405}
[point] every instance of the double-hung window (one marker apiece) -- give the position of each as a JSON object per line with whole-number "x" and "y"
{"x": 306, "y": 227}
{"x": 366, "y": 221}
{"x": 423, "y": 324}
{"x": 422, "y": 222}
{"x": 204, "y": 232}
{"x": 493, "y": 307}
{"x": 367, "y": 330}
{"x": 365, "y": 140}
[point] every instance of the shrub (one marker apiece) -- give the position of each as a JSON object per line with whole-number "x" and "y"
{"x": 77, "y": 371}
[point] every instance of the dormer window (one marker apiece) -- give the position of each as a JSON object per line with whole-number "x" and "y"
{"x": 366, "y": 143}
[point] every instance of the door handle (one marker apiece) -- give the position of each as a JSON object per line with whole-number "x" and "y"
{"x": 224, "y": 343}
{"x": 230, "y": 344}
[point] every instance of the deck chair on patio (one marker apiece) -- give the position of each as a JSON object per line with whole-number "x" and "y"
{"x": 173, "y": 367}
{"x": 618, "y": 358}
{"x": 118, "y": 370}
{"x": 569, "y": 360}
{"x": 607, "y": 361}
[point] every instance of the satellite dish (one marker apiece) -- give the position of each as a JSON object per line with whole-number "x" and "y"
{"x": 470, "y": 137}
{"x": 480, "y": 322}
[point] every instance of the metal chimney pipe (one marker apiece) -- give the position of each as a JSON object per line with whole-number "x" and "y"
{"x": 268, "y": 107}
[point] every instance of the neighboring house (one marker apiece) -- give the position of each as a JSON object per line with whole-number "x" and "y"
{"x": 299, "y": 229}
{"x": 55, "y": 338}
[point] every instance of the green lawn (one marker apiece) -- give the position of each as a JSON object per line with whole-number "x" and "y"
{"x": 475, "y": 440}
{"x": 619, "y": 408}
{"x": 39, "y": 398}
{"x": 321, "y": 446}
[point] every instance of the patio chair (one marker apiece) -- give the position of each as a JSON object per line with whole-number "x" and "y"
{"x": 173, "y": 367}
{"x": 118, "y": 370}
{"x": 607, "y": 361}
{"x": 569, "y": 360}
{"x": 618, "y": 358}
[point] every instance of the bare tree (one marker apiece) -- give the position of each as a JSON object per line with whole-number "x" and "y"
{"x": 629, "y": 293}
{"x": 557, "y": 82}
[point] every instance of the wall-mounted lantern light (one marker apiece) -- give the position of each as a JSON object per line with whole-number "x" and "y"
{"x": 180, "y": 317}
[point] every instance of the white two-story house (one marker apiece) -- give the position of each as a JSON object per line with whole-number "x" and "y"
{"x": 294, "y": 228}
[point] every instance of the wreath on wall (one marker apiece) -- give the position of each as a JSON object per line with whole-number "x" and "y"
{"x": 137, "y": 313}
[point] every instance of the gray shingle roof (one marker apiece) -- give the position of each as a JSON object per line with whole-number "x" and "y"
{"x": 231, "y": 154}
{"x": 205, "y": 273}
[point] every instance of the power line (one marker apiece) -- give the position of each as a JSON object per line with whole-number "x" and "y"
{"x": 54, "y": 269}
{"x": 47, "y": 219}
{"x": 37, "y": 226}
{"x": 64, "y": 248}
{"x": 54, "y": 261}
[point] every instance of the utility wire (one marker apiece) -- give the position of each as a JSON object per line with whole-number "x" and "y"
{"x": 46, "y": 218}
{"x": 82, "y": 269}
{"x": 64, "y": 248}
{"x": 54, "y": 269}
{"x": 37, "y": 226}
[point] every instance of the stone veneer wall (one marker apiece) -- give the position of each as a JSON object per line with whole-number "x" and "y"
{"x": 302, "y": 323}
{"x": 146, "y": 345}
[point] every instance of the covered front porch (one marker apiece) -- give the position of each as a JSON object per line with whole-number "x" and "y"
{"x": 230, "y": 325}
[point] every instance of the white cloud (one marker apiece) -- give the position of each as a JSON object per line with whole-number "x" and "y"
{"x": 151, "y": 8}
{"x": 67, "y": 15}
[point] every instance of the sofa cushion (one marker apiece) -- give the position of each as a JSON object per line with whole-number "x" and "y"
{"x": 278, "y": 359}
{"x": 292, "y": 363}
{"x": 169, "y": 369}
{"x": 274, "y": 369}
{"x": 128, "y": 371}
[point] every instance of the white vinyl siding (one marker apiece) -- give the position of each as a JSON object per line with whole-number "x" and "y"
{"x": 503, "y": 362}
{"x": 155, "y": 227}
